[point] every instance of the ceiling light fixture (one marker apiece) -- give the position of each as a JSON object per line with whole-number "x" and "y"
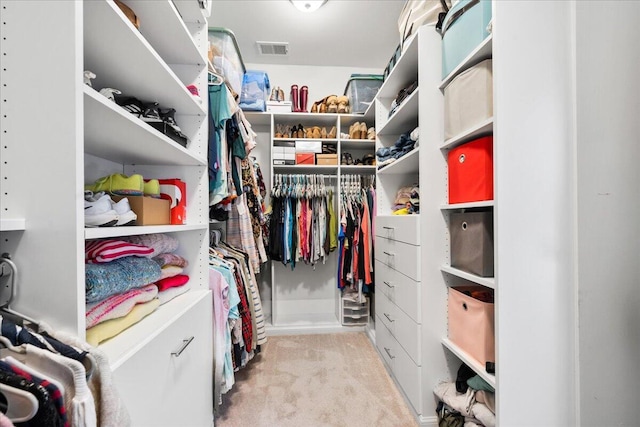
{"x": 308, "y": 5}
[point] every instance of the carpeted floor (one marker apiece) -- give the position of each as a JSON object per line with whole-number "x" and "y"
{"x": 315, "y": 381}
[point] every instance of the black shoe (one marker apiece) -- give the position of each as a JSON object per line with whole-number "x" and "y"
{"x": 151, "y": 113}
{"x": 129, "y": 103}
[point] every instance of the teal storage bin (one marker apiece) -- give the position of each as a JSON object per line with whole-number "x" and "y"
{"x": 464, "y": 28}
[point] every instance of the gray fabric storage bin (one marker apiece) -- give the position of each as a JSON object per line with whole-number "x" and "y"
{"x": 472, "y": 242}
{"x": 468, "y": 99}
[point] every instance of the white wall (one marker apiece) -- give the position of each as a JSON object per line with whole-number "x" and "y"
{"x": 607, "y": 64}
{"x": 321, "y": 81}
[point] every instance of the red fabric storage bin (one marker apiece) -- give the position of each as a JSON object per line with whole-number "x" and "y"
{"x": 471, "y": 171}
{"x": 471, "y": 324}
{"x": 305, "y": 159}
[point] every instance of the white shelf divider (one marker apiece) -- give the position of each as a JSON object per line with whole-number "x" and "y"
{"x": 469, "y": 205}
{"x": 480, "y": 53}
{"x": 481, "y": 129}
{"x": 404, "y": 119}
{"x": 102, "y": 232}
{"x": 407, "y": 164}
{"x": 12, "y": 224}
{"x": 470, "y": 361}
{"x": 489, "y": 282}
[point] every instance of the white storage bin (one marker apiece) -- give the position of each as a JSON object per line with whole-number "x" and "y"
{"x": 354, "y": 313}
{"x": 468, "y": 99}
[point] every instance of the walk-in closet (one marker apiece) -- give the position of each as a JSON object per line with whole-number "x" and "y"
{"x": 319, "y": 213}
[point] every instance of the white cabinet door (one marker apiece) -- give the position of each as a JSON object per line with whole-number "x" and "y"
{"x": 169, "y": 381}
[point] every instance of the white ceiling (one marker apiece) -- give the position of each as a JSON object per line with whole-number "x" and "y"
{"x": 351, "y": 33}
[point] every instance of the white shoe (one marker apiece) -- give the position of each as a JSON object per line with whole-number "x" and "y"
{"x": 125, "y": 214}
{"x": 99, "y": 213}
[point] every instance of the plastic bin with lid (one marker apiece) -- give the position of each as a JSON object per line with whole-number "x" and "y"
{"x": 361, "y": 89}
{"x": 226, "y": 58}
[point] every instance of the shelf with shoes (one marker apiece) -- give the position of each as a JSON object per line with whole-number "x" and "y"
{"x": 85, "y": 136}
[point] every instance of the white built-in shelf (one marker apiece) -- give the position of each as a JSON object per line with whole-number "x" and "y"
{"x": 470, "y": 361}
{"x": 368, "y": 144}
{"x": 407, "y": 164}
{"x": 190, "y": 10}
{"x": 161, "y": 25}
{"x": 481, "y": 129}
{"x": 404, "y": 119}
{"x": 479, "y": 54}
{"x": 370, "y": 114}
{"x": 329, "y": 169}
{"x": 12, "y": 224}
{"x": 307, "y": 119}
{"x": 102, "y": 232}
{"x": 128, "y": 342}
{"x": 123, "y": 59}
{"x": 469, "y": 205}
{"x": 489, "y": 282}
{"x": 367, "y": 116}
{"x": 357, "y": 169}
{"x": 114, "y": 134}
{"x": 329, "y": 140}
{"x": 258, "y": 118}
{"x": 403, "y": 73}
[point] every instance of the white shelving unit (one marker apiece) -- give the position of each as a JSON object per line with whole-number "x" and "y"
{"x": 84, "y": 136}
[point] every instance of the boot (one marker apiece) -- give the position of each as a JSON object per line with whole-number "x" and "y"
{"x": 295, "y": 106}
{"x": 304, "y": 94}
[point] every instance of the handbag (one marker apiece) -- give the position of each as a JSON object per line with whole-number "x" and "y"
{"x": 416, "y": 13}
{"x": 448, "y": 417}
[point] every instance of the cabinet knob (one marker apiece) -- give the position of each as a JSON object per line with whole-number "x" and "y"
{"x": 185, "y": 343}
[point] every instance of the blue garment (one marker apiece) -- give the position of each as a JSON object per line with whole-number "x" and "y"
{"x": 219, "y": 113}
{"x": 121, "y": 275}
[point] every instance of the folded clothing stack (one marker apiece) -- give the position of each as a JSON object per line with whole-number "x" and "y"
{"x": 403, "y": 145}
{"x": 407, "y": 201}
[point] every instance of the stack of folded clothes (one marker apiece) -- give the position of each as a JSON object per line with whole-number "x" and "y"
{"x": 404, "y": 145}
{"x": 407, "y": 201}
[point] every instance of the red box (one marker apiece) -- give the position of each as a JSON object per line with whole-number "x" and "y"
{"x": 305, "y": 159}
{"x": 175, "y": 191}
{"x": 471, "y": 171}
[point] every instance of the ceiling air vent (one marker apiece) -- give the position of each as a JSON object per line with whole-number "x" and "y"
{"x": 273, "y": 48}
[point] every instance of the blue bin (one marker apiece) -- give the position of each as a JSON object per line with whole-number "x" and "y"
{"x": 255, "y": 91}
{"x": 464, "y": 28}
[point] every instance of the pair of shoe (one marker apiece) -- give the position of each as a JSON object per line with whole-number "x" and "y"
{"x": 299, "y": 101}
{"x": 101, "y": 211}
{"x": 152, "y": 114}
{"x": 358, "y": 130}
{"x": 347, "y": 159}
{"x": 277, "y": 94}
{"x": 121, "y": 184}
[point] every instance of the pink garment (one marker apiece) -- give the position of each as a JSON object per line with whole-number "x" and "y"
{"x": 118, "y": 305}
{"x": 4, "y": 421}
{"x": 220, "y": 293}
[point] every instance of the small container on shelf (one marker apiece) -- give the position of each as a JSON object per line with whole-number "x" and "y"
{"x": 225, "y": 56}
{"x": 255, "y": 91}
{"x": 472, "y": 242}
{"x": 305, "y": 159}
{"x": 175, "y": 190}
{"x": 279, "y": 106}
{"x": 327, "y": 159}
{"x": 149, "y": 210}
{"x": 464, "y": 28}
{"x": 354, "y": 313}
{"x": 470, "y": 171}
{"x": 471, "y": 322}
{"x": 361, "y": 89}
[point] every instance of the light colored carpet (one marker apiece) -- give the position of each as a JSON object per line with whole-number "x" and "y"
{"x": 315, "y": 381}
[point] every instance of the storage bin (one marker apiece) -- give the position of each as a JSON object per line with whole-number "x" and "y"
{"x": 149, "y": 210}
{"x": 279, "y": 106}
{"x": 311, "y": 146}
{"x": 326, "y": 159}
{"x": 361, "y": 89}
{"x": 463, "y": 29}
{"x": 471, "y": 323}
{"x": 305, "y": 159}
{"x": 470, "y": 171}
{"x": 468, "y": 99}
{"x": 175, "y": 190}
{"x": 227, "y": 59}
{"x": 472, "y": 242}
{"x": 255, "y": 91}
{"x": 354, "y": 313}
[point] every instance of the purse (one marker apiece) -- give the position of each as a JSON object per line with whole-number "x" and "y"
{"x": 416, "y": 13}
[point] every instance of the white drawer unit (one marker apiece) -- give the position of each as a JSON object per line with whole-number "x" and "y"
{"x": 406, "y": 372}
{"x": 401, "y": 290}
{"x": 400, "y": 256}
{"x": 354, "y": 313}
{"x": 178, "y": 386}
{"x": 403, "y": 228}
{"x": 401, "y": 326}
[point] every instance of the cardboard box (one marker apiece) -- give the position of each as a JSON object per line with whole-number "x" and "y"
{"x": 150, "y": 211}
{"x": 308, "y": 146}
{"x": 326, "y": 159}
{"x": 281, "y": 162}
{"x": 175, "y": 191}
{"x": 305, "y": 159}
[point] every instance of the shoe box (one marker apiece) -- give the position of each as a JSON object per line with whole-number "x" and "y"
{"x": 305, "y": 159}
{"x": 175, "y": 190}
{"x": 284, "y": 153}
{"x": 279, "y": 106}
{"x": 326, "y": 159}
{"x": 150, "y": 211}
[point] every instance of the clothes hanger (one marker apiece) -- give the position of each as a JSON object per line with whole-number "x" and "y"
{"x": 21, "y": 405}
{"x": 5, "y": 259}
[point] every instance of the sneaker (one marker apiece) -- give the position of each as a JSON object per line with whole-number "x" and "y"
{"x": 131, "y": 104}
{"x": 194, "y": 91}
{"x": 119, "y": 184}
{"x": 99, "y": 213}
{"x": 110, "y": 93}
{"x": 168, "y": 116}
{"x": 152, "y": 188}
{"x": 125, "y": 215}
{"x": 88, "y": 76}
{"x": 151, "y": 113}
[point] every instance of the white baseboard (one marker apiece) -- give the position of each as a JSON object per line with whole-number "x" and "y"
{"x": 428, "y": 421}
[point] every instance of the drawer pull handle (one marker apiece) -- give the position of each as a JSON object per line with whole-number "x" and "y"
{"x": 389, "y": 353}
{"x": 387, "y": 316}
{"x": 387, "y": 283}
{"x": 185, "y": 343}
{"x": 388, "y": 254}
{"x": 388, "y": 228}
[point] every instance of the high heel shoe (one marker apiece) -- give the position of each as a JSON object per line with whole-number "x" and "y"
{"x": 332, "y": 133}
{"x": 371, "y": 133}
{"x": 343, "y": 104}
{"x": 323, "y": 133}
{"x": 354, "y": 131}
{"x": 300, "y": 131}
{"x": 363, "y": 130}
